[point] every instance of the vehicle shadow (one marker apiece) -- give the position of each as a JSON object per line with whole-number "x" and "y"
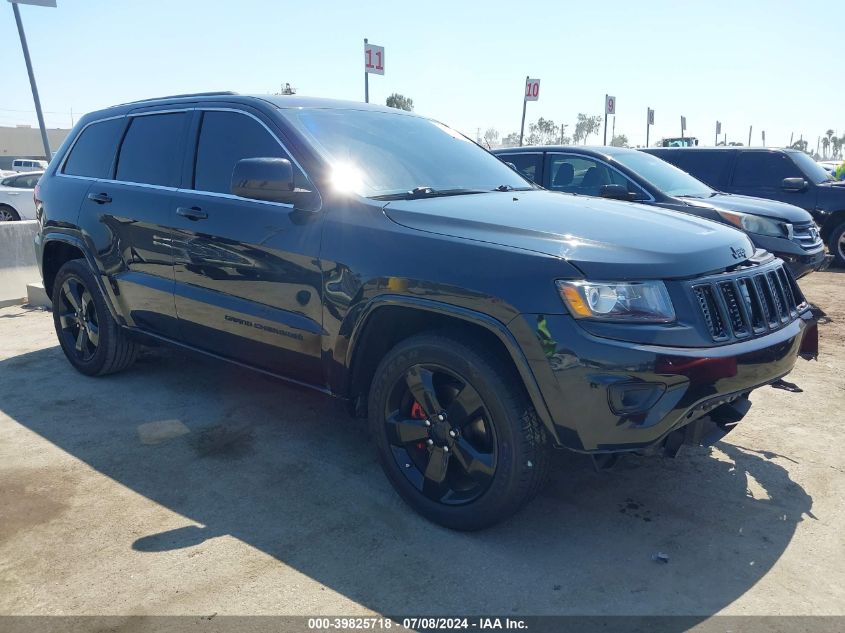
{"x": 285, "y": 471}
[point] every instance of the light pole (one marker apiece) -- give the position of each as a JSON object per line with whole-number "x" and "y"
{"x": 16, "y": 11}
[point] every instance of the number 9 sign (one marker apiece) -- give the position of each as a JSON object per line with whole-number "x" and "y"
{"x": 532, "y": 89}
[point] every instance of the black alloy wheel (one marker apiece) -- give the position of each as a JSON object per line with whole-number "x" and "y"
{"x": 441, "y": 434}
{"x": 80, "y": 327}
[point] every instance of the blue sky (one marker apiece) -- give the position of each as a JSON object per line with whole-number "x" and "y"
{"x": 769, "y": 64}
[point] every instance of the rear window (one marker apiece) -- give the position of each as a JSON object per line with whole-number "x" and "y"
{"x": 151, "y": 153}
{"x": 92, "y": 153}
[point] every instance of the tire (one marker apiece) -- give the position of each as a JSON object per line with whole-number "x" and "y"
{"x": 101, "y": 346}
{"x": 8, "y": 214}
{"x": 498, "y": 458}
{"x": 836, "y": 245}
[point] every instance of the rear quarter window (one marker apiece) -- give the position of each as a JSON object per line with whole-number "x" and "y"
{"x": 529, "y": 165}
{"x": 92, "y": 153}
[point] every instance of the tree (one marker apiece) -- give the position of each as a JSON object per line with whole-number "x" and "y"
{"x": 400, "y": 102}
{"x": 800, "y": 145}
{"x": 825, "y": 145}
{"x": 511, "y": 140}
{"x": 585, "y": 126}
{"x": 491, "y": 137}
{"x": 620, "y": 140}
{"x": 543, "y": 132}
{"x": 836, "y": 142}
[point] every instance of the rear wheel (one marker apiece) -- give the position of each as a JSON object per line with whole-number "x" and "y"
{"x": 455, "y": 432}
{"x": 90, "y": 338}
{"x": 836, "y": 244}
{"x": 8, "y": 214}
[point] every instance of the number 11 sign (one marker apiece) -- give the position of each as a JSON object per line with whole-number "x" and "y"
{"x": 373, "y": 59}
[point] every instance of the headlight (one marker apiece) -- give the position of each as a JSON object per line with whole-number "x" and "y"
{"x": 756, "y": 224}
{"x": 642, "y": 301}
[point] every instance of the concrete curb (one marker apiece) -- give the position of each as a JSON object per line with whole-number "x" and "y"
{"x": 18, "y": 266}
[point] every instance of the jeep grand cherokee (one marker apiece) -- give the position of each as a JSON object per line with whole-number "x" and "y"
{"x": 381, "y": 257}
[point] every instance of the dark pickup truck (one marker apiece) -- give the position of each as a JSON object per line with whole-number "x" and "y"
{"x": 627, "y": 174}
{"x": 787, "y": 175}
{"x": 383, "y": 258}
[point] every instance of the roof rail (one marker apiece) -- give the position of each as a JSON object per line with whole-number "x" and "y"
{"x": 189, "y": 94}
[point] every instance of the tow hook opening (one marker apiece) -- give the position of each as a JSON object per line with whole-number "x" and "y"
{"x": 709, "y": 429}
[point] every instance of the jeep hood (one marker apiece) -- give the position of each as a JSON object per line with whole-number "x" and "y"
{"x": 756, "y": 206}
{"x": 605, "y": 239}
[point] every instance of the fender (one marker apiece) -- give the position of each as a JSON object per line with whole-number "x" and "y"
{"x": 470, "y": 316}
{"x": 41, "y": 241}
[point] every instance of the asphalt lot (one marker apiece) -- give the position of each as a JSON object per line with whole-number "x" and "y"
{"x": 187, "y": 486}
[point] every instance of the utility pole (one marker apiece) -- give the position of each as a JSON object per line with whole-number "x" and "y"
{"x": 613, "y": 130}
{"x": 34, "y": 87}
{"x": 749, "y": 135}
{"x": 790, "y": 138}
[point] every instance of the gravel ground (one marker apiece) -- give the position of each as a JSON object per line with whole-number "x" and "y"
{"x": 186, "y": 486}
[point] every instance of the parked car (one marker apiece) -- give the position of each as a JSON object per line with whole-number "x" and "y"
{"x": 787, "y": 175}
{"x": 16, "y": 201}
{"x": 628, "y": 174}
{"x": 383, "y": 258}
{"x": 28, "y": 164}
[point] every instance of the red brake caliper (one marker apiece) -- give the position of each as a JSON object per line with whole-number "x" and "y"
{"x": 417, "y": 413}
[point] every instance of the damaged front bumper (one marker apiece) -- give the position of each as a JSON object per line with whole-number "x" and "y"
{"x": 607, "y": 396}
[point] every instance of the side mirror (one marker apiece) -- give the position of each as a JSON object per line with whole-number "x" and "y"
{"x": 264, "y": 179}
{"x": 794, "y": 184}
{"x": 615, "y": 192}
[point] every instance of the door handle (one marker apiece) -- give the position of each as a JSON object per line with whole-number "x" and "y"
{"x": 100, "y": 198}
{"x": 192, "y": 213}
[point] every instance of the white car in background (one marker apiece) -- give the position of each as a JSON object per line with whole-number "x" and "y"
{"x": 16, "y": 201}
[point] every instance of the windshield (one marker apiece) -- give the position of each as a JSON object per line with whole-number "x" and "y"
{"x": 667, "y": 178}
{"x": 381, "y": 153}
{"x": 812, "y": 170}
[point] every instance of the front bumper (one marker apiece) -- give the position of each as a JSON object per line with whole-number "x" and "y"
{"x": 606, "y": 395}
{"x": 800, "y": 261}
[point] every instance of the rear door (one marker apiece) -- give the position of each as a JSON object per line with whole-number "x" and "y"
{"x": 247, "y": 271}
{"x": 761, "y": 174}
{"x": 133, "y": 209}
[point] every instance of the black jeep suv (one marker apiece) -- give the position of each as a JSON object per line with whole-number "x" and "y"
{"x": 381, "y": 257}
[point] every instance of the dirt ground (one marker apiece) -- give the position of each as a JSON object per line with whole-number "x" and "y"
{"x": 186, "y": 486}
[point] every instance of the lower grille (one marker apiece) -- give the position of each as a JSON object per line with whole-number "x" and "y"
{"x": 749, "y": 304}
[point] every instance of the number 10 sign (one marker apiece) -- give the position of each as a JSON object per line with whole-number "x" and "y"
{"x": 374, "y": 59}
{"x": 532, "y": 89}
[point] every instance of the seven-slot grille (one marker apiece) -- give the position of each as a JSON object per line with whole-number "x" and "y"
{"x": 750, "y": 304}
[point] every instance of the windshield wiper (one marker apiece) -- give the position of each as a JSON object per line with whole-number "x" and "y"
{"x": 425, "y": 192}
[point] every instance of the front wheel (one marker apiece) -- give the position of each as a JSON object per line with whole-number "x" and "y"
{"x": 836, "y": 244}
{"x": 90, "y": 338}
{"x": 8, "y": 214}
{"x": 455, "y": 432}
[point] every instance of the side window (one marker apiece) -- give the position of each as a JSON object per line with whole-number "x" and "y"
{"x": 577, "y": 174}
{"x": 92, "y": 153}
{"x": 763, "y": 170}
{"x": 227, "y": 137}
{"x": 708, "y": 167}
{"x": 617, "y": 178}
{"x": 150, "y": 153}
{"x": 526, "y": 164}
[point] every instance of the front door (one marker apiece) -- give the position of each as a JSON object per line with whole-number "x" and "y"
{"x": 247, "y": 271}
{"x": 761, "y": 174}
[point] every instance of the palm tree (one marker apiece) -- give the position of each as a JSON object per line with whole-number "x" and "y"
{"x": 829, "y": 135}
{"x": 825, "y": 145}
